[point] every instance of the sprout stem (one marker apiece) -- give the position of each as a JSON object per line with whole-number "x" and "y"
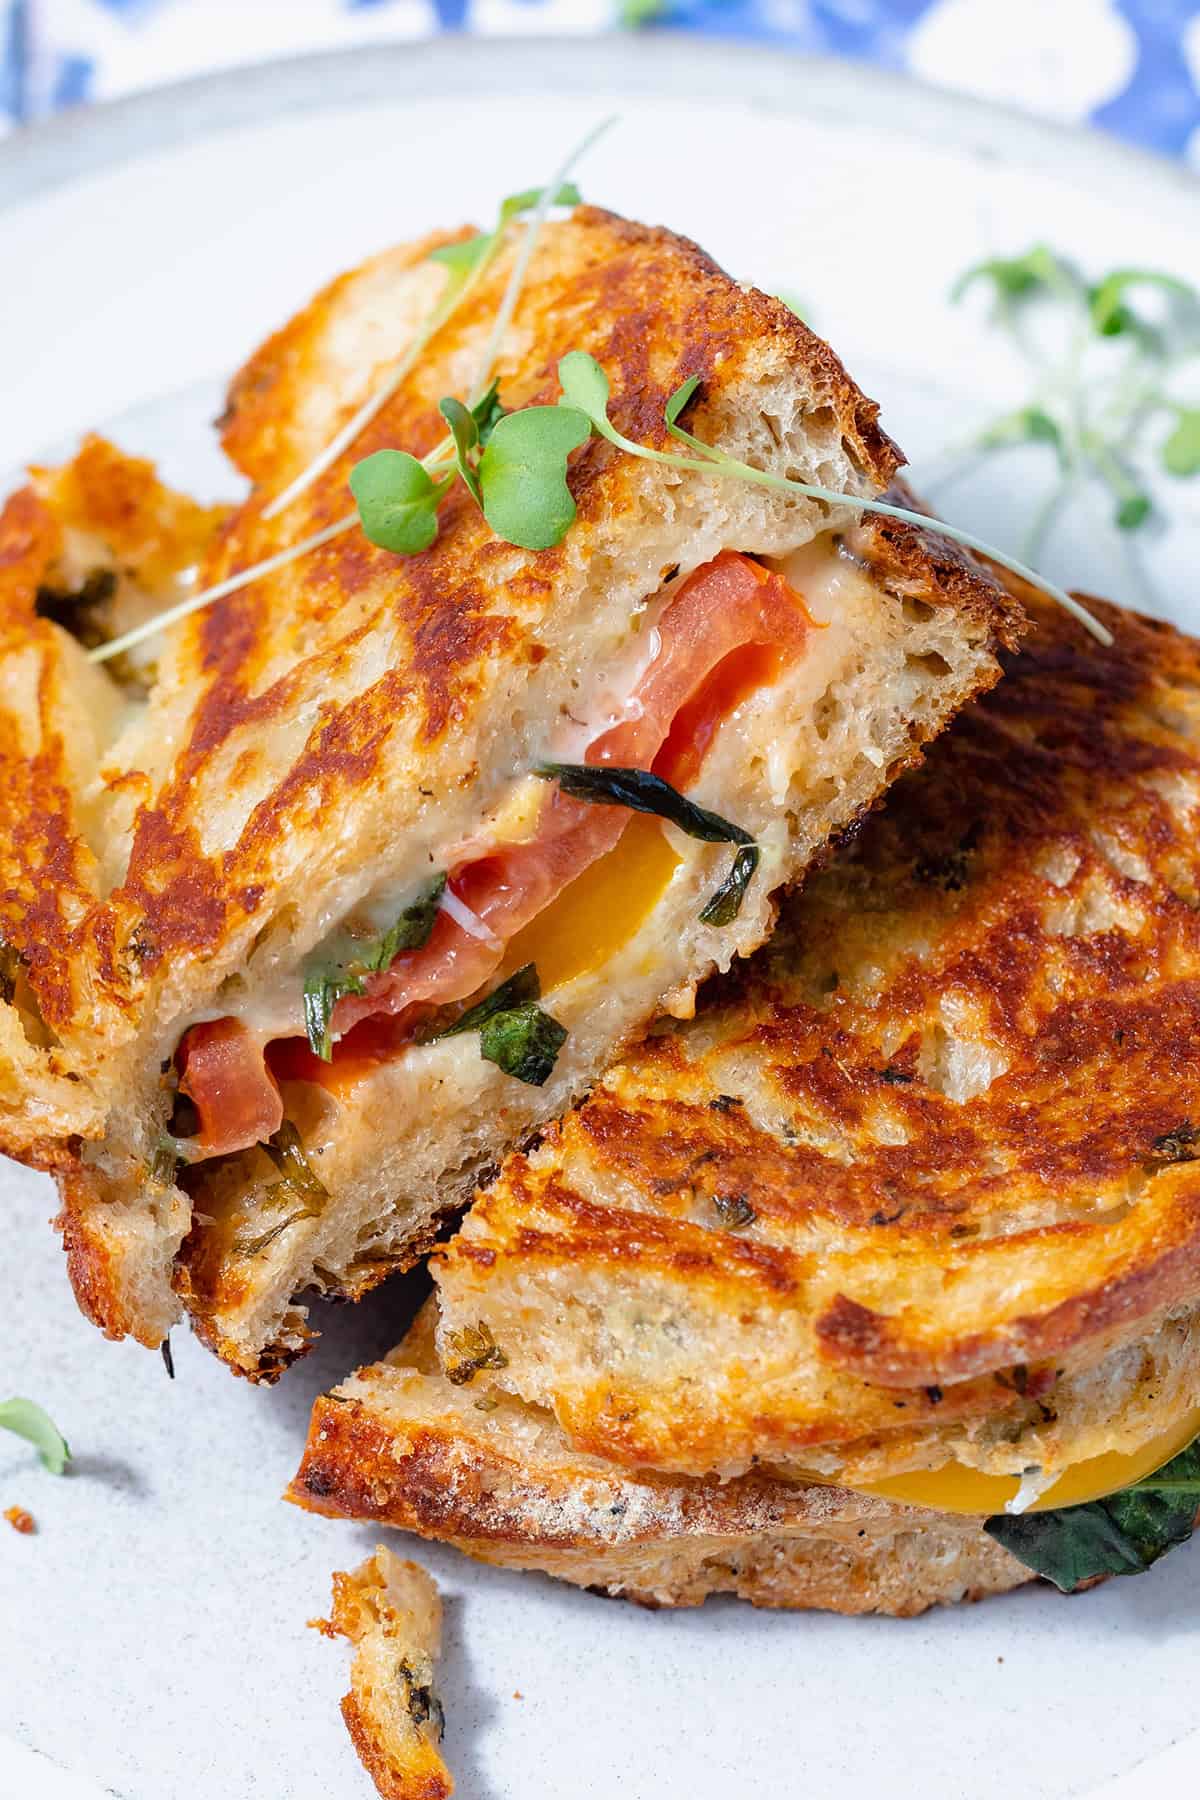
{"x": 160, "y": 622}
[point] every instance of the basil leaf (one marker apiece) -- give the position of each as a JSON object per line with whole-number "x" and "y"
{"x": 1120, "y": 1535}
{"x": 724, "y": 906}
{"x": 524, "y": 1042}
{"x": 514, "y": 1033}
{"x": 517, "y": 991}
{"x": 523, "y": 474}
{"x": 326, "y": 982}
{"x": 397, "y": 501}
{"x": 286, "y": 1151}
{"x": 1181, "y": 452}
{"x": 299, "y": 1184}
{"x": 464, "y": 429}
{"x": 29, "y": 1421}
{"x": 643, "y": 792}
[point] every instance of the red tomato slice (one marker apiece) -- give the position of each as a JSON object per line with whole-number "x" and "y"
{"x": 223, "y": 1073}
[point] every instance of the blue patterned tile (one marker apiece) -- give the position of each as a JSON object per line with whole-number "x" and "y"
{"x": 81, "y": 44}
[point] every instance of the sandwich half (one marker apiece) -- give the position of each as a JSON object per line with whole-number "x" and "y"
{"x": 912, "y": 1206}
{"x": 400, "y": 1444}
{"x": 342, "y": 900}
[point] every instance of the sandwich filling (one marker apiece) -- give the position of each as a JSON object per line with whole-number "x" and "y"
{"x": 727, "y": 630}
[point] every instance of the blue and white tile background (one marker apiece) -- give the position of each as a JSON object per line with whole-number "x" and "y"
{"x": 1130, "y": 66}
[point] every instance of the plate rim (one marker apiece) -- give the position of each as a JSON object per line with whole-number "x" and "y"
{"x": 92, "y": 140}
{"x": 102, "y": 135}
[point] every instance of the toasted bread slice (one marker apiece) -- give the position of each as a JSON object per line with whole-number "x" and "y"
{"x": 920, "y": 1182}
{"x": 399, "y": 1444}
{"x": 391, "y": 1613}
{"x": 320, "y": 749}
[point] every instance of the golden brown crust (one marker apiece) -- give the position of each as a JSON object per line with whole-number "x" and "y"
{"x": 316, "y": 740}
{"x": 400, "y": 1445}
{"x": 942, "y": 1127}
{"x": 390, "y": 1612}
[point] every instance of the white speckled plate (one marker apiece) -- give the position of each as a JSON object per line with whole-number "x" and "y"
{"x": 152, "y": 1634}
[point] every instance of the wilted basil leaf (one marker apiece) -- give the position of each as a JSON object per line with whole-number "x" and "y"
{"x": 524, "y": 1042}
{"x": 643, "y": 792}
{"x": 518, "y": 990}
{"x": 1120, "y": 1535}
{"x": 347, "y": 962}
{"x": 725, "y": 905}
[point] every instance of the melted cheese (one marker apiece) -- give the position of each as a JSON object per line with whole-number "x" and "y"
{"x": 602, "y": 909}
{"x": 955, "y": 1488}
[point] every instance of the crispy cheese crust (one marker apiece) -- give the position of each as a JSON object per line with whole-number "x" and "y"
{"x": 322, "y": 735}
{"x": 399, "y": 1445}
{"x": 391, "y": 1613}
{"x": 921, "y": 1180}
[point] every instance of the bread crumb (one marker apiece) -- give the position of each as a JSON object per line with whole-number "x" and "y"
{"x": 517, "y": 1694}
{"x": 20, "y": 1520}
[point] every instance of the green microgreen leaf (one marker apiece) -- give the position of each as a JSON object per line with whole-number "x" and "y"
{"x": 397, "y": 501}
{"x": 1132, "y": 511}
{"x": 464, "y": 430}
{"x": 643, "y": 792}
{"x": 679, "y": 399}
{"x": 585, "y": 387}
{"x": 348, "y": 960}
{"x": 464, "y": 257}
{"x": 794, "y": 303}
{"x": 1181, "y": 452}
{"x": 487, "y": 413}
{"x": 1028, "y": 425}
{"x": 523, "y": 474}
{"x": 1017, "y": 277}
{"x": 1111, "y": 316}
{"x": 524, "y": 1042}
{"x": 566, "y": 194}
{"x": 28, "y": 1420}
{"x": 1123, "y": 1534}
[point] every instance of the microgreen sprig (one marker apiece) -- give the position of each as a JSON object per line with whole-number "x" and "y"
{"x": 28, "y": 1420}
{"x": 466, "y": 263}
{"x": 585, "y": 387}
{"x": 1091, "y": 405}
